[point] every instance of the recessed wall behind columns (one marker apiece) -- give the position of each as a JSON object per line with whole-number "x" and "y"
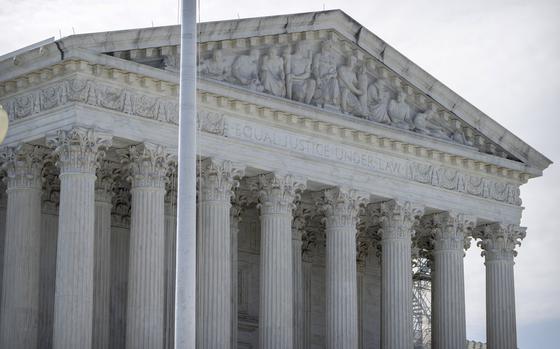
{"x": 248, "y": 283}
{"x": 47, "y": 277}
{"x": 2, "y": 233}
{"x": 119, "y": 282}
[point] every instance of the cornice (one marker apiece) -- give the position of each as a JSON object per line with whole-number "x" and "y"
{"x": 226, "y": 99}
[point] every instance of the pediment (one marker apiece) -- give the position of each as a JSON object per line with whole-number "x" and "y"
{"x": 322, "y": 69}
{"x": 324, "y": 60}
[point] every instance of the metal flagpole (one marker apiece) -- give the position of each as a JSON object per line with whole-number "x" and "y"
{"x": 185, "y": 295}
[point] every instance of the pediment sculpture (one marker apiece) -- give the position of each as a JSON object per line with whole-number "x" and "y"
{"x": 333, "y": 76}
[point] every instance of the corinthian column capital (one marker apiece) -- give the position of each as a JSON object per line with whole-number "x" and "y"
{"x": 450, "y": 230}
{"x": 79, "y": 148}
{"x": 105, "y": 183}
{"x": 23, "y": 165}
{"x": 171, "y": 189}
{"x": 398, "y": 218}
{"x": 498, "y": 241}
{"x": 301, "y": 215}
{"x": 147, "y": 164}
{"x": 277, "y": 192}
{"x": 341, "y": 206}
{"x": 218, "y": 178}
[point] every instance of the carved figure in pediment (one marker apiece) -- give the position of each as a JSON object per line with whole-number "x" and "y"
{"x": 458, "y": 135}
{"x": 352, "y": 87}
{"x": 245, "y": 70}
{"x": 215, "y": 67}
{"x": 171, "y": 62}
{"x": 379, "y": 97}
{"x": 426, "y": 123}
{"x": 325, "y": 73}
{"x": 272, "y": 73}
{"x": 399, "y": 111}
{"x": 300, "y": 85}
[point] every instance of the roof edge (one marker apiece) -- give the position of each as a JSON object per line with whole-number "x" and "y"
{"x": 259, "y": 26}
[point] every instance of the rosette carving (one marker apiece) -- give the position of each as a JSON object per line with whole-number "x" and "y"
{"x": 498, "y": 241}
{"x": 79, "y": 149}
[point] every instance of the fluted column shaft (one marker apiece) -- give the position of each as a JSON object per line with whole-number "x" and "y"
{"x": 307, "y": 301}
{"x": 498, "y": 242}
{"x": 500, "y": 304}
{"x": 341, "y": 210}
{"x": 397, "y": 220}
{"x": 102, "y": 259}
{"x": 235, "y": 218}
{"x": 214, "y": 255}
{"x": 276, "y": 201}
{"x": 78, "y": 155}
{"x": 297, "y": 274}
{"x": 144, "y": 326}
{"x": 448, "y": 281}
{"x": 20, "y": 296}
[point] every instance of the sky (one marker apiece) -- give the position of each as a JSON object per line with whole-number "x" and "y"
{"x": 502, "y": 56}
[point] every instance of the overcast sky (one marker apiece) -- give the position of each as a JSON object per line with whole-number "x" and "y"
{"x": 502, "y": 56}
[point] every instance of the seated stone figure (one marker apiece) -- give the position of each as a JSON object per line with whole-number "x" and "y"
{"x": 399, "y": 112}
{"x": 245, "y": 70}
{"x": 300, "y": 85}
{"x": 215, "y": 67}
{"x": 272, "y": 73}
{"x": 324, "y": 71}
{"x": 378, "y": 102}
{"x": 351, "y": 88}
{"x": 426, "y": 123}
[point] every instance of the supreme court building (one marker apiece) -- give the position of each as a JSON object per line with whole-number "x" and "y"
{"x": 328, "y": 164}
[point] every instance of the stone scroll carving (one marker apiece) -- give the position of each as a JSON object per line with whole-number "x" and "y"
{"x": 333, "y": 76}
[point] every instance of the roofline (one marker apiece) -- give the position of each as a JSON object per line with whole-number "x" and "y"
{"x": 336, "y": 20}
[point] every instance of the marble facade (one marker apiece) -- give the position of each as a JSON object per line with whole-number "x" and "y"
{"x": 328, "y": 163}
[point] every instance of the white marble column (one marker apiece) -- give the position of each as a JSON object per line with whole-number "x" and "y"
{"x": 448, "y": 230}
{"x": 307, "y": 267}
{"x": 170, "y": 254}
{"x": 78, "y": 153}
{"x": 276, "y": 201}
{"x": 20, "y": 296}
{"x": 237, "y": 207}
{"x": 298, "y": 226}
{"x": 148, "y": 165}
{"x": 397, "y": 220}
{"x": 498, "y": 242}
{"x": 102, "y": 256}
{"x": 213, "y": 323}
{"x": 341, "y": 208}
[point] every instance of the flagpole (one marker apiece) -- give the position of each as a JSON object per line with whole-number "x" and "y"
{"x": 185, "y": 292}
